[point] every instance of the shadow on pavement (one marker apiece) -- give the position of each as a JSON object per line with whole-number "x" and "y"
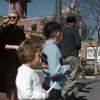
{"x": 82, "y": 90}
{"x": 81, "y": 98}
{"x": 88, "y": 88}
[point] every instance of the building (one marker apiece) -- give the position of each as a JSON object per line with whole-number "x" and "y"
{"x": 20, "y": 6}
{"x": 88, "y": 51}
{"x": 33, "y": 24}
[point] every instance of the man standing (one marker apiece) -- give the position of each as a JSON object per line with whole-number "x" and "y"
{"x": 70, "y": 46}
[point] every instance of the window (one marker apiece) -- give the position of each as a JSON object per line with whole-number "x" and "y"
{"x": 14, "y": 6}
{"x": 34, "y": 27}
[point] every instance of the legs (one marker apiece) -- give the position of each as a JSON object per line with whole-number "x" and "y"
{"x": 15, "y": 94}
{"x": 68, "y": 89}
{"x": 9, "y": 94}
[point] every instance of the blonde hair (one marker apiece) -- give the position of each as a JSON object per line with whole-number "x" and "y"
{"x": 27, "y": 49}
{"x": 15, "y": 12}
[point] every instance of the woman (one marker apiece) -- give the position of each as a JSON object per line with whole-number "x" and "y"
{"x": 10, "y": 37}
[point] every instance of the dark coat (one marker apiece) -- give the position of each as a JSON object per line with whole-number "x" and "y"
{"x": 71, "y": 42}
{"x": 9, "y": 61}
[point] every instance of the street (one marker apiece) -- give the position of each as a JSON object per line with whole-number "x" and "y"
{"x": 91, "y": 92}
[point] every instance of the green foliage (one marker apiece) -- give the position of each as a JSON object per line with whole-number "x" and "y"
{"x": 83, "y": 62}
{"x": 89, "y": 72}
{"x": 44, "y": 21}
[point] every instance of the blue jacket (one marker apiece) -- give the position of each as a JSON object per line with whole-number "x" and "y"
{"x": 52, "y": 66}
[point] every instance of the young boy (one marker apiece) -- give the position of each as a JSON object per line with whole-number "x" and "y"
{"x": 27, "y": 80}
{"x": 54, "y": 70}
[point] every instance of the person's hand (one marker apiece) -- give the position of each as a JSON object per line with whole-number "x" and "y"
{"x": 28, "y": 36}
{"x": 46, "y": 94}
{"x": 67, "y": 73}
{"x": 16, "y": 47}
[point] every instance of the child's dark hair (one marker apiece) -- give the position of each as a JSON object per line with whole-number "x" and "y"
{"x": 51, "y": 28}
{"x": 27, "y": 49}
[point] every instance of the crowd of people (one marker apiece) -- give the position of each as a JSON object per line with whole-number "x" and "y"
{"x": 59, "y": 56}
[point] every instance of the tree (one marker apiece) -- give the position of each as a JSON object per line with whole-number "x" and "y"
{"x": 90, "y": 10}
{"x": 46, "y": 20}
{"x": 84, "y": 31}
{"x": 3, "y": 22}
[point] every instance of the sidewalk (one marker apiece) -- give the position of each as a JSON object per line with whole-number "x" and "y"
{"x": 89, "y": 80}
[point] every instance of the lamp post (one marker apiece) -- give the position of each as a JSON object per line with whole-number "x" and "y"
{"x": 58, "y": 11}
{"x": 9, "y": 5}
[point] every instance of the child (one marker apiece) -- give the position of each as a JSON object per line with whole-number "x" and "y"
{"x": 54, "y": 70}
{"x": 27, "y": 80}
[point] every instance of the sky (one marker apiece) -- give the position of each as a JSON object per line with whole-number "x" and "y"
{"x": 36, "y": 8}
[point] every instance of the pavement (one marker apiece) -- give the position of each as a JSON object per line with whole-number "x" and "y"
{"x": 81, "y": 83}
{"x": 87, "y": 81}
{"x": 90, "y": 92}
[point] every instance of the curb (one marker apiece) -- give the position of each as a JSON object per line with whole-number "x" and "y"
{"x": 88, "y": 77}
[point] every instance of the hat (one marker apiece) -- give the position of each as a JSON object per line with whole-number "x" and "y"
{"x": 71, "y": 18}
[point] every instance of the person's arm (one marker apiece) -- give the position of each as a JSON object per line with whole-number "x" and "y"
{"x": 2, "y": 40}
{"x": 77, "y": 39}
{"x": 21, "y": 36}
{"x": 7, "y": 46}
{"x": 55, "y": 68}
